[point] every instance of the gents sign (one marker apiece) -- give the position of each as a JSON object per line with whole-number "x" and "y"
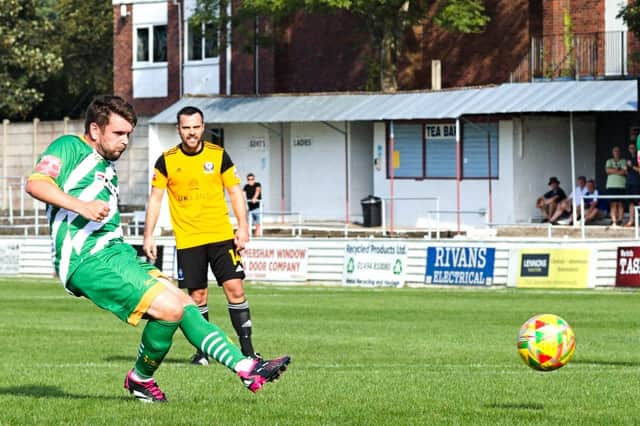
{"x": 460, "y": 265}
{"x": 275, "y": 261}
{"x": 374, "y": 264}
{"x": 628, "y": 267}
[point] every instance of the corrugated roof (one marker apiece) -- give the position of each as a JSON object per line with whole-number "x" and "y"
{"x": 565, "y": 96}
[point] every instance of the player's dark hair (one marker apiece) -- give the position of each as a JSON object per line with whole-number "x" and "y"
{"x": 102, "y": 106}
{"x": 189, "y": 110}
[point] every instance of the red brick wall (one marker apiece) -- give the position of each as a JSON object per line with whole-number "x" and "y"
{"x": 123, "y": 61}
{"x": 476, "y": 59}
{"x": 321, "y": 53}
{"x": 122, "y": 54}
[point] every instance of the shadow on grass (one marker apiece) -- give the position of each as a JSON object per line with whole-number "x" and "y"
{"x": 40, "y": 391}
{"x": 606, "y": 362}
{"x": 132, "y": 359}
{"x": 517, "y": 406}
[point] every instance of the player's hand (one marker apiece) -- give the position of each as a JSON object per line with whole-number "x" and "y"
{"x": 241, "y": 238}
{"x": 149, "y": 247}
{"x": 95, "y": 210}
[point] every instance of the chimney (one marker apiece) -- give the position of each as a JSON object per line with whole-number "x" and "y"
{"x": 436, "y": 75}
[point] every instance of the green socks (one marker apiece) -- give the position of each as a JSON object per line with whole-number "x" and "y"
{"x": 156, "y": 342}
{"x": 209, "y": 338}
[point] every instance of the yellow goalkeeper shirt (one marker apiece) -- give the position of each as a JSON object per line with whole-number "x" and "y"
{"x": 195, "y": 184}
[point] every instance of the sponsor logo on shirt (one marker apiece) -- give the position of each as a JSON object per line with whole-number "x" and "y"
{"x": 49, "y": 165}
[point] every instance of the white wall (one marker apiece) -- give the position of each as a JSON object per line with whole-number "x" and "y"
{"x": 318, "y": 171}
{"x": 545, "y": 151}
{"x": 249, "y": 147}
{"x": 202, "y": 78}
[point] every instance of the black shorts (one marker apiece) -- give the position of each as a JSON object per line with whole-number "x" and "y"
{"x": 193, "y": 263}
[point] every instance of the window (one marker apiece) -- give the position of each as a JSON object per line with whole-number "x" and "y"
{"x": 441, "y": 150}
{"x": 480, "y": 148}
{"x": 428, "y": 150}
{"x": 151, "y": 43}
{"x": 408, "y": 148}
{"x": 202, "y": 42}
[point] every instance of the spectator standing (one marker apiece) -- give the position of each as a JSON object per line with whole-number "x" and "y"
{"x": 549, "y": 201}
{"x": 616, "y": 168}
{"x": 633, "y": 181}
{"x": 253, "y": 193}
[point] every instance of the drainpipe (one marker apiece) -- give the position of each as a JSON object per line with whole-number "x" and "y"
{"x": 180, "y": 47}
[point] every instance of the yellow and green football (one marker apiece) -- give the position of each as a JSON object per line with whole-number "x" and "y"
{"x": 546, "y": 342}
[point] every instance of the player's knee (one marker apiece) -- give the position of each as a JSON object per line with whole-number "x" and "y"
{"x": 174, "y": 312}
{"x": 235, "y": 294}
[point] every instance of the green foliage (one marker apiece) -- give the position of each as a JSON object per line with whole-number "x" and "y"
{"x": 56, "y": 54}
{"x": 84, "y": 37}
{"x": 386, "y": 21}
{"x": 359, "y": 357}
{"x": 27, "y": 56}
{"x": 630, "y": 14}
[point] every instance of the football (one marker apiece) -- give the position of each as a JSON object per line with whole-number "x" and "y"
{"x": 546, "y": 342}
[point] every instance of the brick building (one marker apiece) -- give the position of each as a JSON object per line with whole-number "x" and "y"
{"x": 158, "y": 58}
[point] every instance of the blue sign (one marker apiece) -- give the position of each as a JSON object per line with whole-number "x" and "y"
{"x": 460, "y": 265}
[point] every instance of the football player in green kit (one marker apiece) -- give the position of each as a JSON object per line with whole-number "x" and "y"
{"x": 76, "y": 178}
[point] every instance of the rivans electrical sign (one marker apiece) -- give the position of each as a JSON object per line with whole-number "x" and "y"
{"x": 460, "y": 265}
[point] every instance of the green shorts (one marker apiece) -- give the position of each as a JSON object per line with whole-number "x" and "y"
{"x": 117, "y": 281}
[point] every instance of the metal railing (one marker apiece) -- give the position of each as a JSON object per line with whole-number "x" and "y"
{"x": 608, "y": 197}
{"x": 295, "y": 225}
{"x": 575, "y": 56}
{"x": 383, "y": 211}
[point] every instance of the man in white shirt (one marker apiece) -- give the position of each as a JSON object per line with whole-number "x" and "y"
{"x": 565, "y": 207}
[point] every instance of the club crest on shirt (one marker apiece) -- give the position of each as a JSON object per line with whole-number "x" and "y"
{"x": 208, "y": 167}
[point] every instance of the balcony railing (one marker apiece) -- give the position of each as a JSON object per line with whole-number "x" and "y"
{"x": 577, "y": 56}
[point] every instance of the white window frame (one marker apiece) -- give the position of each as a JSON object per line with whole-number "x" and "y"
{"x": 150, "y": 62}
{"x": 187, "y": 40}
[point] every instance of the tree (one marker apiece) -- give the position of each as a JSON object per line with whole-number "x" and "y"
{"x": 26, "y": 59}
{"x": 84, "y": 38}
{"x": 386, "y": 21}
{"x": 630, "y": 14}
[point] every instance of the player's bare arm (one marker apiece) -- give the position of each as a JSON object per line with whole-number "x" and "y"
{"x": 151, "y": 219}
{"x": 48, "y": 192}
{"x": 236, "y": 195}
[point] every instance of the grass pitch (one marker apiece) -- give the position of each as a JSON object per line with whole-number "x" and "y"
{"x": 360, "y": 356}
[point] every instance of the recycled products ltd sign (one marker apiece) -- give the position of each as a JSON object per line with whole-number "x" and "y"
{"x": 374, "y": 264}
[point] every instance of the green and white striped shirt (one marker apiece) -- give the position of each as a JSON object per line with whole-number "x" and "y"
{"x": 77, "y": 169}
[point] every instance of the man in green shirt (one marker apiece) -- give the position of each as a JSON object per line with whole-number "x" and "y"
{"x": 75, "y": 176}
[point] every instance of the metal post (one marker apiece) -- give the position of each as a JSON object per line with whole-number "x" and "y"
{"x": 36, "y": 213}
{"x": 438, "y": 218}
{"x": 383, "y": 216}
{"x": 582, "y": 230}
{"x": 458, "y": 172}
{"x": 573, "y": 171}
{"x": 22, "y": 191}
{"x": 490, "y": 217}
{"x": 281, "y": 169}
{"x": 5, "y": 142}
{"x": 347, "y": 147}
{"x": 10, "y": 205}
{"x": 391, "y": 174}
